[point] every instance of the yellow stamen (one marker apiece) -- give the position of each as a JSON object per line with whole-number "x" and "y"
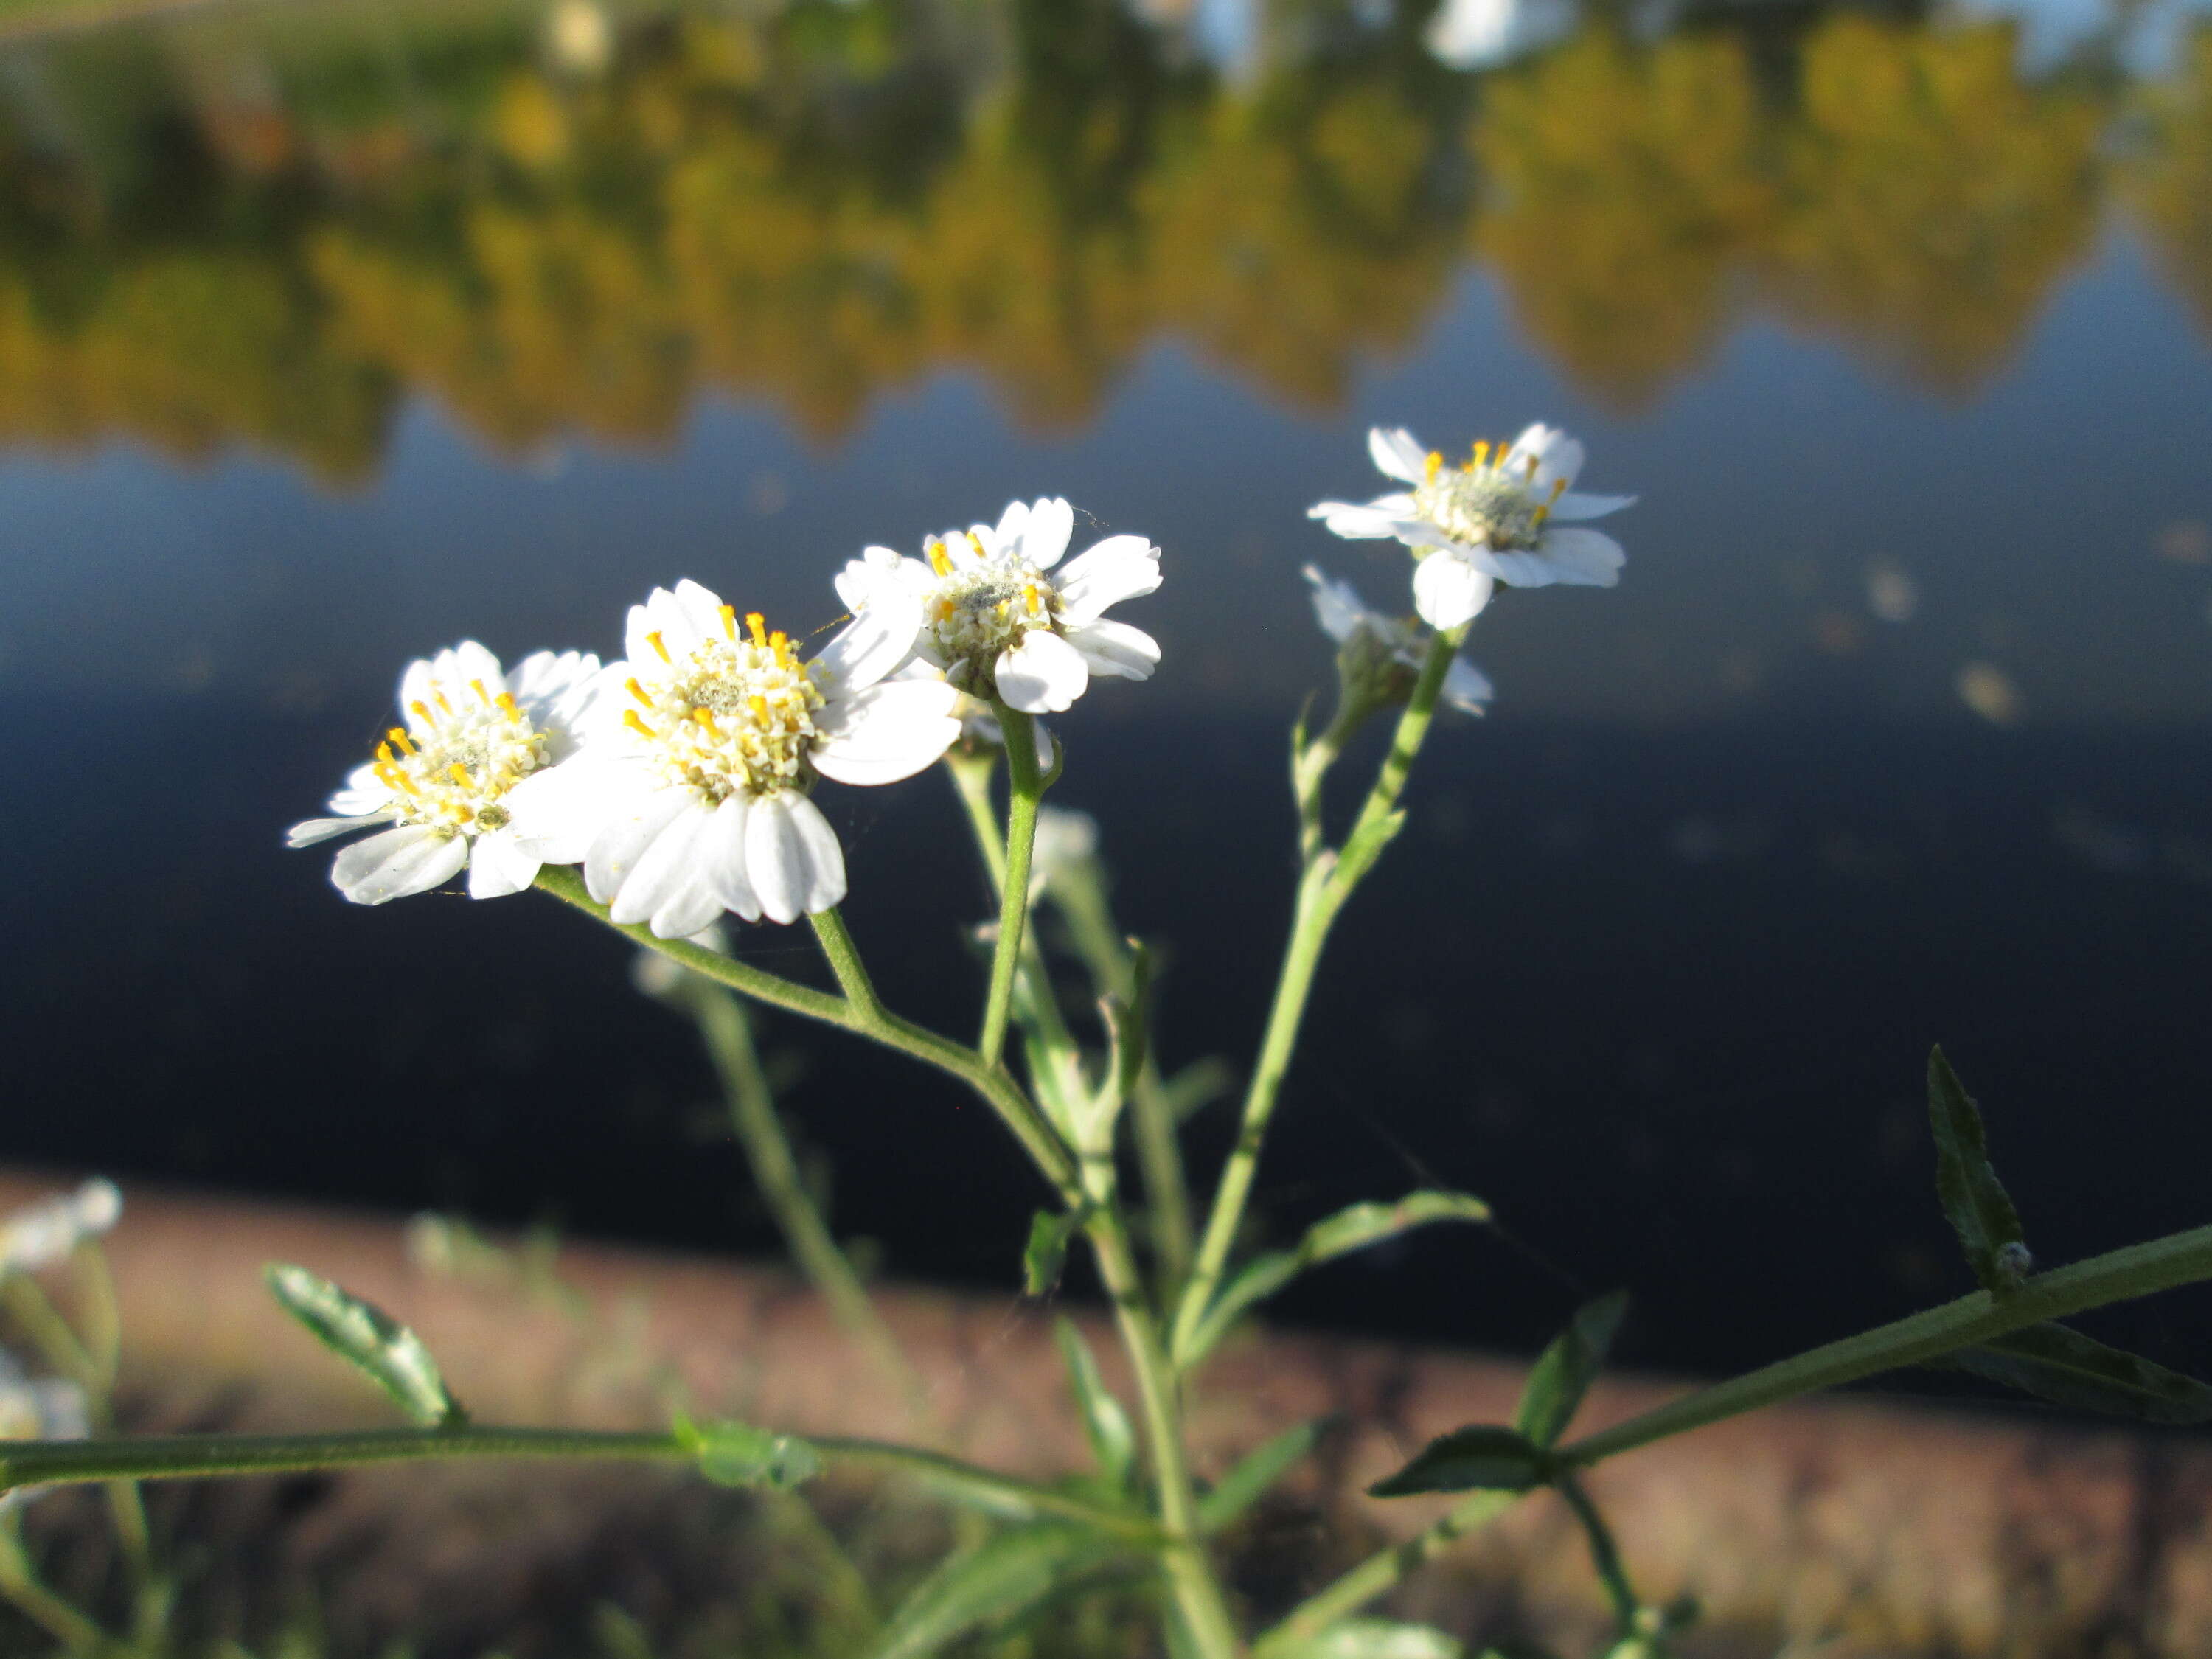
{"x": 459, "y": 773}
{"x": 945, "y": 610}
{"x": 705, "y": 717}
{"x": 384, "y": 754}
{"x": 976, "y": 542}
{"x": 653, "y": 640}
{"x": 779, "y": 642}
{"x": 1481, "y": 451}
{"x": 757, "y": 625}
{"x": 1533, "y": 464}
{"x": 507, "y": 703}
{"x": 636, "y": 691}
{"x": 1434, "y": 465}
{"x": 631, "y": 719}
{"x": 730, "y": 621}
{"x": 478, "y": 686}
{"x": 420, "y": 710}
{"x": 939, "y": 559}
{"x": 1559, "y": 489}
{"x": 441, "y": 697}
{"x": 398, "y": 735}
{"x": 758, "y": 704}
{"x": 1029, "y": 593}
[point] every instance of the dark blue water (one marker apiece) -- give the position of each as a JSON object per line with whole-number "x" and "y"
{"x": 326, "y": 340}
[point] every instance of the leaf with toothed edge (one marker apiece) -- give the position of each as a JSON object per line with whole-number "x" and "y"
{"x": 1974, "y": 1200}
{"x": 1046, "y": 1253}
{"x": 2058, "y": 1364}
{"x": 1564, "y": 1372}
{"x": 371, "y": 1341}
{"x": 1486, "y": 1457}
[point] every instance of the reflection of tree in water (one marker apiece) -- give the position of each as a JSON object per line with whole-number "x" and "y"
{"x": 811, "y": 214}
{"x": 1621, "y": 186}
{"x": 2167, "y": 180}
{"x": 1934, "y": 200}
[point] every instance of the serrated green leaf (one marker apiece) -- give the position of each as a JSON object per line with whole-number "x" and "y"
{"x": 2057, "y": 1364}
{"x": 1975, "y": 1201}
{"x": 1113, "y": 1441}
{"x": 1254, "y": 1473}
{"x": 1000, "y": 1580}
{"x": 1350, "y": 1229}
{"x": 1565, "y": 1371}
{"x": 733, "y": 1454}
{"x": 1046, "y": 1253}
{"x": 371, "y": 1341}
{"x": 1378, "y": 1638}
{"x": 1486, "y": 1457}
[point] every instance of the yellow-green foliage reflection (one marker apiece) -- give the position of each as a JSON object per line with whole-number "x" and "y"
{"x": 239, "y": 237}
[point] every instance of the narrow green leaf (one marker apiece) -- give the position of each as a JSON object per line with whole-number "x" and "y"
{"x": 1979, "y": 1209}
{"x": 1350, "y": 1229}
{"x": 2059, "y": 1364}
{"x": 1565, "y": 1371}
{"x": 1047, "y": 1251}
{"x": 1113, "y": 1441}
{"x": 1487, "y": 1457}
{"x": 1378, "y": 1638}
{"x": 366, "y": 1337}
{"x": 999, "y": 1581}
{"x": 1256, "y": 1473}
{"x": 733, "y": 1454}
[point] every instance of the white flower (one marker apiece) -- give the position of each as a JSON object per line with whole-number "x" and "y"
{"x": 997, "y": 623}
{"x": 44, "y": 1233}
{"x": 689, "y": 796}
{"x": 441, "y": 782}
{"x": 44, "y": 1408}
{"x": 1344, "y": 617}
{"x": 1486, "y": 522}
{"x": 657, "y": 975}
{"x": 1065, "y": 847}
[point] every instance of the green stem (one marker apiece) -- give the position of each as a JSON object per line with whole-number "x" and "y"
{"x": 1309, "y": 766}
{"x": 1379, "y": 1572}
{"x": 1323, "y": 888}
{"x": 998, "y": 1090}
{"x": 728, "y": 1037}
{"x": 56, "y": 1462}
{"x": 1190, "y": 1576}
{"x": 2120, "y": 1275}
{"x": 1027, "y": 788}
{"x": 845, "y": 962}
{"x": 1605, "y": 1554}
{"x": 971, "y": 780}
{"x": 19, "y": 1583}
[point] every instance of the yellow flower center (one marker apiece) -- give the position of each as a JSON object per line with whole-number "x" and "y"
{"x": 736, "y": 715}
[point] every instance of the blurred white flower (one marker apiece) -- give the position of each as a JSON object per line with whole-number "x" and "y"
{"x": 1491, "y": 520}
{"x": 657, "y": 975}
{"x": 1990, "y": 692}
{"x": 1892, "y": 595}
{"x": 1467, "y": 34}
{"x": 441, "y": 782}
{"x": 997, "y": 623}
{"x": 44, "y": 1233}
{"x": 690, "y": 794}
{"x": 38, "y": 1408}
{"x": 1401, "y": 642}
{"x": 579, "y": 37}
{"x": 1066, "y": 847}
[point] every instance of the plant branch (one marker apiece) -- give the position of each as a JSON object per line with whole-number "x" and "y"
{"x": 1026, "y": 790}
{"x": 1379, "y": 1572}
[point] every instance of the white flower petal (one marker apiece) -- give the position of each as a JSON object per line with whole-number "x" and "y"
{"x": 1448, "y": 590}
{"x": 858, "y": 581}
{"x": 1367, "y": 521}
{"x": 1012, "y": 522}
{"x": 663, "y": 616}
{"x": 1572, "y": 506}
{"x": 315, "y": 829}
{"x": 889, "y": 732}
{"x": 1395, "y": 452}
{"x": 1583, "y": 558}
{"x": 1337, "y": 605}
{"x": 663, "y": 868}
{"x": 1042, "y": 675}
{"x": 364, "y": 792}
{"x": 624, "y": 840}
{"x": 793, "y": 857}
{"x": 1120, "y": 567}
{"x": 722, "y": 856}
{"x": 1557, "y": 456}
{"x": 397, "y": 863}
{"x": 1466, "y": 687}
{"x": 694, "y": 905}
{"x": 1045, "y": 536}
{"x": 498, "y": 866}
{"x": 876, "y": 641}
{"x": 1116, "y": 650}
{"x": 557, "y": 814}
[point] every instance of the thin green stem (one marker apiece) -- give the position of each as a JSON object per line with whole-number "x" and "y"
{"x": 20, "y": 1583}
{"x": 56, "y": 1462}
{"x": 42, "y": 1321}
{"x": 845, "y": 962}
{"x": 1184, "y": 1560}
{"x": 971, "y": 781}
{"x": 1310, "y": 767}
{"x": 1605, "y": 1554}
{"x": 728, "y": 1037}
{"x": 2118, "y": 1276}
{"x": 998, "y": 1092}
{"x": 1380, "y": 1572}
{"x": 1026, "y": 790}
{"x": 1323, "y": 887}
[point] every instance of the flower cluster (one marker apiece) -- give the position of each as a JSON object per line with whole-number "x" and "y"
{"x": 682, "y": 777}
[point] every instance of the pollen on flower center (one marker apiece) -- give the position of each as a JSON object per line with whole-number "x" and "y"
{"x": 468, "y": 747}
{"x": 735, "y": 715}
{"x": 1494, "y": 507}
{"x": 973, "y": 614}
